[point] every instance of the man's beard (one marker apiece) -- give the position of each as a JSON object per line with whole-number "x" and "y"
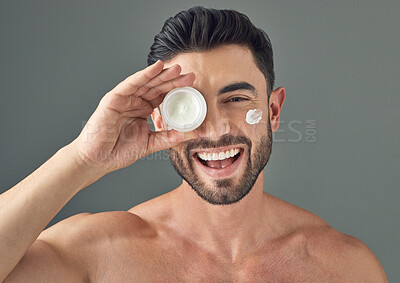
{"x": 224, "y": 191}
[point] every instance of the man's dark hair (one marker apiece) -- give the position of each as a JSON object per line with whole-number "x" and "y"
{"x": 201, "y": 29}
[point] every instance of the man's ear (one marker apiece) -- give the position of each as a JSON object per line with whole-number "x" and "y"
{"x": 157, "y": 119}
{"x": 275, "y": 105}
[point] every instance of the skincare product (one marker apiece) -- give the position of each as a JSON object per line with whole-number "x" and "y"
{"x": 253, "y": 116}
{"x": 184, "y": 109}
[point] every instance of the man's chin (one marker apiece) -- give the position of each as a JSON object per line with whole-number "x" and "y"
{"x": 218, "y": 183}
{"x": 226, "y": 183}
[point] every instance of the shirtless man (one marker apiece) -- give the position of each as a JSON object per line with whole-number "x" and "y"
{"x": 218, "y": 225}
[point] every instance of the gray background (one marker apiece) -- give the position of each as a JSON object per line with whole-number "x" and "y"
{"x": 338, "y": 61}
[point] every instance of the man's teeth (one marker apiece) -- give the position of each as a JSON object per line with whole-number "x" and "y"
{"x": 218, "y": 155}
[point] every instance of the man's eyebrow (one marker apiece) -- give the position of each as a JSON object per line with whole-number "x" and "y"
{"x": 238, "y": 86}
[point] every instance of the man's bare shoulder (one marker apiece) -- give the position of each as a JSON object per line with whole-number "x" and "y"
{"x": 88, "y": 225}
{"x": 82, "y": 234}
{"x": 345, "y": 257}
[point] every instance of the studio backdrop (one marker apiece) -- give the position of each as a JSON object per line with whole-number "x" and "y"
{"x": 335, "y": 154}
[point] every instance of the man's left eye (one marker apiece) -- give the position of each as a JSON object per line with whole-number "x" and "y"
{"x": 237, "y": 99}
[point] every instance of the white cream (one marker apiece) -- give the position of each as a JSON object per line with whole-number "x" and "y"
{"x": 183, "y": 109}
{"x": 253, "y": 116}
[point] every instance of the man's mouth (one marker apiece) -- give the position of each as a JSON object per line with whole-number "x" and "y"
{"x": 219, "y": 162}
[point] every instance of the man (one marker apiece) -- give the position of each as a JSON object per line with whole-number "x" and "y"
{"x": 218, "y": 225}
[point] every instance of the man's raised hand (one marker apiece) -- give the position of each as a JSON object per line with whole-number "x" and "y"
{"x": 117, "y": 133}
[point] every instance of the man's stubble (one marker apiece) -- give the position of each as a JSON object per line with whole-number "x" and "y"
{"x": 224, "y": 191}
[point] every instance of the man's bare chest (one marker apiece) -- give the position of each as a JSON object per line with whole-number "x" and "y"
{"x": 174, "y": 263}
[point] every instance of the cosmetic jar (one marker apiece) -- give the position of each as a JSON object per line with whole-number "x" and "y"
{"x": 184, "y": 109}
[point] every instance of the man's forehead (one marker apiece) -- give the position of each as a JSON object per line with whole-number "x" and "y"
{"x": 220, "y": 65}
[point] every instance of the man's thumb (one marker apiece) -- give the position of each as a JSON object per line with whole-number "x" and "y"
{"x": 165, "y": 139}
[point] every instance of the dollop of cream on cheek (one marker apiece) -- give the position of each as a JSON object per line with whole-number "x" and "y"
{"x": 253, "y": 116}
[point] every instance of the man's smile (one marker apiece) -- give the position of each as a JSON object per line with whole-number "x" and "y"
{"x": 219, "y": 162}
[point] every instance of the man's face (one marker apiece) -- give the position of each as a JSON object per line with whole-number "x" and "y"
{"x": 232, "y": 85}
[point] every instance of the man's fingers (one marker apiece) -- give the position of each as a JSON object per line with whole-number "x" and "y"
{"x": 145, "y": 89}
{"x": 157, "y": 101}
{"x": 166, "y": 75}
{"x": 123, "y": 103}
{"x": 132, "y": 83}
{"x": 154, "y": 96}
{"x": 181, "y": 81}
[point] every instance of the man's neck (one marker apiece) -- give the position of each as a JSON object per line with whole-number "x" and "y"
{"x": 230, "y": 230}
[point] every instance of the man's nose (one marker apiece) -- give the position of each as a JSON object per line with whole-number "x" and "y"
{"x": 215, "y": 124}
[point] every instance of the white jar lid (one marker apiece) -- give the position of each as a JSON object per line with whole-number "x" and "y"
{"x": 184, "y": 109}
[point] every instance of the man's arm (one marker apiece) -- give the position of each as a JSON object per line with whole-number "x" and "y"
{"x": 27, "y": 208}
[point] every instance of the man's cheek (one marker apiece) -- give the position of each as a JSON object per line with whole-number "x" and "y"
{"x": 241, "y": 129}
{"x": 259, "y": 130}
